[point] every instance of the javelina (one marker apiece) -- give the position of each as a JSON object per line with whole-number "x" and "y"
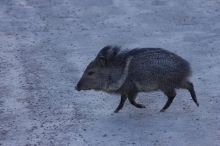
{"x": 127, "y": 72}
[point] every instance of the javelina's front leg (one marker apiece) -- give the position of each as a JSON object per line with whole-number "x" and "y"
{"x": 121, "y": 104}
{"x": 131, "y": 97}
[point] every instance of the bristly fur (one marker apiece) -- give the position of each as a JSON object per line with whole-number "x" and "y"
{"x": 128, "y": 72}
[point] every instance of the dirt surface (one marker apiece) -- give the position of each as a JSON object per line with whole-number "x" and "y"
{"x": 46, "y": 44}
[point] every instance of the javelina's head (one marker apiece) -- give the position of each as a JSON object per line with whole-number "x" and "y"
{"x": 102, "y": 73}
{"x": 94, "y": 77}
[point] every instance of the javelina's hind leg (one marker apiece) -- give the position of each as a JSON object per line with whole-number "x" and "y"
{"x": 171, "y": 95}
{"x": 121, "y": 104}
{"x": 131, "y": 97}
{"x": 189, "y": 86}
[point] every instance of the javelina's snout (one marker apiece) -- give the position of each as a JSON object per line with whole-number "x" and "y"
{"x": 78, "y": 88}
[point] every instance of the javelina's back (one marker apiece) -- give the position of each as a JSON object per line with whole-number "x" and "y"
{"x": 153, "y": 68}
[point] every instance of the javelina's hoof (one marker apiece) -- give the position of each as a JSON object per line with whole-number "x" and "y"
{"x": 140, "y": 106}
{"x": 162, "y": 110}
{"x": 116, "y": 111}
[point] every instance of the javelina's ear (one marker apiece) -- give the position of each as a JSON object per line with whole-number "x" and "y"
{"x": 115, "y": 51}
{"x": 102, "y": 61}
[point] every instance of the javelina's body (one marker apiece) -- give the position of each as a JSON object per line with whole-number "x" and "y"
{"x": 138, "y": 70}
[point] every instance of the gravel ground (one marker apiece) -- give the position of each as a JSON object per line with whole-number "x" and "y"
{"x": 46, "y": 44}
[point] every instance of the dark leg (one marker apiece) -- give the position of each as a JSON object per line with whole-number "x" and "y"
{"x": 121, "y": 104}
{"x": 171, "y": 95}
{"x": 189, "y": 86}
{"x": 131, "y": 97}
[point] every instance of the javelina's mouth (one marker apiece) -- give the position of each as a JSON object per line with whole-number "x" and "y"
{"x": 77, "y": 88}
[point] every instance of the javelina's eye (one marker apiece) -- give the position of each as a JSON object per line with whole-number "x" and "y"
{"x": 91, "y": 73}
